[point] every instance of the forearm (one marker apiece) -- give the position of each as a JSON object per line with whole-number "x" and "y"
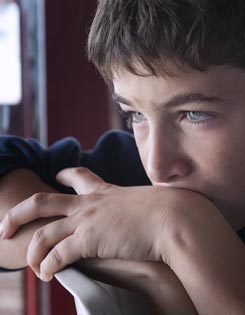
{"x": 14, "y": 188}
{"x": 167, "y": 292}
{"x": 209, "y": 260}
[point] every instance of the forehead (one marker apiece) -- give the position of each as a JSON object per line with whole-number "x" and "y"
{"x": 223, "y": 81}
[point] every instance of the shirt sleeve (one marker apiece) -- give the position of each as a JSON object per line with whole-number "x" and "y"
{"x": 16, "y": 153}
{"x": 115, "y": 158}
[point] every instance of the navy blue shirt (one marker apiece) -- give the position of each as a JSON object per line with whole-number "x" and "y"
{"x": 115, "y": 158}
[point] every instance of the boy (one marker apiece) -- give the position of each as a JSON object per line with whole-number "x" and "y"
{"x": 177, "y": 71}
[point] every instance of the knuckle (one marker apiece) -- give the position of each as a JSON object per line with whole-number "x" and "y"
{"x": 10, "y": 219}
{"x": 106, "y": 187}
{"x": 39, "y": 236}
{"x": 80, "y": 170}
{"x": 55, "y": 257}
{"x": 91, "y": 200}
{"x": 38, "y": 201}
{"x": 39, "y": 198}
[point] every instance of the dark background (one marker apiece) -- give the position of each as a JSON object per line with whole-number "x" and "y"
{"x": 77, "y": 96}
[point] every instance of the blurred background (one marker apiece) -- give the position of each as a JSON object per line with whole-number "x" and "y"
{"x": 48, "y": 90}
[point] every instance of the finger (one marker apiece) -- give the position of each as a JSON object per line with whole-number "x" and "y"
{"x": 81, "y": 179}
{"x": 41, "y": 205}
{"x": 45, "y": 238}
{"x": 64, "y": 253}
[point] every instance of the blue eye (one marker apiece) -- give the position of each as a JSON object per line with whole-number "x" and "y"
{"x": 195, "y": 115}
{"x": 131, "y": 117}
{"x": 137, "y": 117}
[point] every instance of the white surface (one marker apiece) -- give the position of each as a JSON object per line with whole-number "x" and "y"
{"x": 90, "y": 297}
{"x": 10, "y": 55}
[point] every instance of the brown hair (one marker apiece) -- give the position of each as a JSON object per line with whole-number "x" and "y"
{"x": 157, "y": 33}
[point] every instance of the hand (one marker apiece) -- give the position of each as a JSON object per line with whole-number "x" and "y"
{"x": 103, "y": 221}
{"x": 155, "y": 279}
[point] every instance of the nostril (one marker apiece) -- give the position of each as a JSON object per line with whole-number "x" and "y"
{"x": 179, "y": 169}
{"x": 169, "y": 173}
{"x": 173, "y": 178}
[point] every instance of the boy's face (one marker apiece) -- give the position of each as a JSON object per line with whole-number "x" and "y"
{"x": 190, "y": 132}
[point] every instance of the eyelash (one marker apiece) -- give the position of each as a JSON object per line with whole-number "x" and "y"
{"x": 184, "y": 116}
{"x": 128, "y": 116}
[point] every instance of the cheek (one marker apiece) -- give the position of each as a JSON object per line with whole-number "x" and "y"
{"x": 220, "y": 157}
{"x": 142, "y": 144}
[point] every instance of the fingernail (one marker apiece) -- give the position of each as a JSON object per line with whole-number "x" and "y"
{"x": 40, "y": 276}
{"x": 47, "y": 277}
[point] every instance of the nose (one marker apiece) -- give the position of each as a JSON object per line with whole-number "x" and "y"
{"x": 166, "y": 160}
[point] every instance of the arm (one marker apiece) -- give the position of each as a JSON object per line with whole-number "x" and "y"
{"x": 15, "y": 187}
{"x": 155, "y": 280}
{"x": 208, "y": 258}
{"x": 179, "y": 227}
{"x": 26, "y": 168}
{"x": 21, "y": 184}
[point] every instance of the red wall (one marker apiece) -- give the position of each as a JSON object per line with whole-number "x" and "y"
{"x": 77, "y": 97}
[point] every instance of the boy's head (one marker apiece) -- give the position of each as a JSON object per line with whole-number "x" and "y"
{"x": 158, "y": 34}
{"x": 177, "y": 70}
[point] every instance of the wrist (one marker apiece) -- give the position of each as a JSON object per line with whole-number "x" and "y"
{"x": 200, "y": 246}
{"x": 183, "y": 222}
{"x": 166, "y": 292}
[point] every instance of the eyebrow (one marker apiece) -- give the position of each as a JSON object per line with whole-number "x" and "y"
{"x": 176, "y": 100}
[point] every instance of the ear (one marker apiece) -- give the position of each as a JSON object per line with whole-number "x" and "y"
{"x": 81, "y": 179}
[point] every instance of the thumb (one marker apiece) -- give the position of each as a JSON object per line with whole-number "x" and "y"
{"x": 81, "y": 179}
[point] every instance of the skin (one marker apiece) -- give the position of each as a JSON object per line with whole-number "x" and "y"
{"x": 192, "y": 151}
{"x": 205, "y": 154}
{"x": 155, "y": 280}
{"x": 12, "y": 192}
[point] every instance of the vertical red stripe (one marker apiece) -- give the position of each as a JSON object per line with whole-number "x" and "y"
{"x": 77, "y": 96}
{"x": 62, "y": 302}
{"x": 31, "y": 293}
